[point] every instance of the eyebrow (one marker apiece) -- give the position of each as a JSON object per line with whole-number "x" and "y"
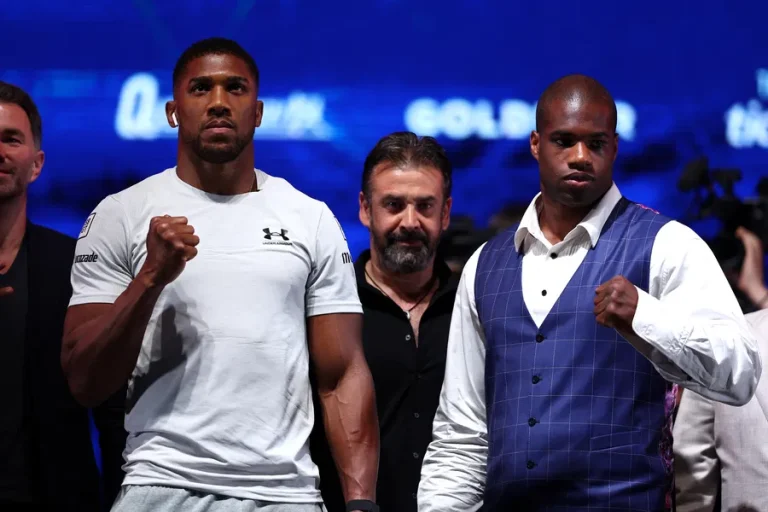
{"x": 13, "y": 132}
{"x": 208, "y": 80}
{"x": 419, "y": 199}
{"x": 566, "y": 133}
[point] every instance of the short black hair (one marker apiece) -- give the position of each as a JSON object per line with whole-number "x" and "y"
{"x": 14, "y": 95}
{"x": 574, "y": 85}
{"x": 214, "y": 46}
{"x": 404, "y": 149}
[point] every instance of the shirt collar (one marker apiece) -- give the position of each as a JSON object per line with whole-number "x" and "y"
{"x": 593, "y": 223}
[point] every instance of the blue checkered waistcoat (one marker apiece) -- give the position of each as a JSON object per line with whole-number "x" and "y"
{"x": 576, "y": 415}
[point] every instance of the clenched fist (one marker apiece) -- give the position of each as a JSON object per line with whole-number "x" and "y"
{"x": 615, "y": 304}
{"x": 170, "y": 245}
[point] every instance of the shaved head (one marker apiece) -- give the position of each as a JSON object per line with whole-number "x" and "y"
{"x": 574, "y": 91}
{"x": 575, "y": 142}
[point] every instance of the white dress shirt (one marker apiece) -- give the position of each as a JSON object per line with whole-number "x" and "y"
{"x": 696, "y": 332}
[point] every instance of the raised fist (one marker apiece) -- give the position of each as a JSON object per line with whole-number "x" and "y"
{"x": 615, "y": 304}
{"x": 170, "y": 245}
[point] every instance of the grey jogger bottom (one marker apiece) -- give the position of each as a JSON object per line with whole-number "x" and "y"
{"x": 146, "y": 498}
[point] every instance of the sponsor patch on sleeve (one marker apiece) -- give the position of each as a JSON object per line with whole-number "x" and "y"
{"x": 86, "y": 226}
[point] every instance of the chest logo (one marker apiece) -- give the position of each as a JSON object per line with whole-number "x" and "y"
{"x": 276, "y": 237}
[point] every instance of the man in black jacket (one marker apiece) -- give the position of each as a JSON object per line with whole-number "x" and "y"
{"x": 46, "y": 457}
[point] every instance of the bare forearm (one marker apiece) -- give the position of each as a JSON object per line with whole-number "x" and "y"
{"x": 353, "y": 432}
{"x": 101, "y": 353}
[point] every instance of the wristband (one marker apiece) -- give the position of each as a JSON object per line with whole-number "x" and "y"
{"x": 365, "y": 505}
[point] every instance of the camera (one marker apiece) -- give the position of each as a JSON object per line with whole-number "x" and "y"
{"x": 724, "y": 205}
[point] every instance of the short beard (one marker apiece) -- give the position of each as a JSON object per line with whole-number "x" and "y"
{"x": 399, "y": 259}
{"x": 220, "y": 153}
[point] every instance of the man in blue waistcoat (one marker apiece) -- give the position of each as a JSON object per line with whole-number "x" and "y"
{"x": 570, "y": 334}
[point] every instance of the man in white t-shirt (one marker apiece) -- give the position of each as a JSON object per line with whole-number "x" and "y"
{"x": 208, "y": 288}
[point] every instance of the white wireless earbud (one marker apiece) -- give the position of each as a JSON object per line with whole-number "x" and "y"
{"x": 175, "y": 121}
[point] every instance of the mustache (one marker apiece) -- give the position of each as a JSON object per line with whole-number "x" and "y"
{"x": 407, "y": 236}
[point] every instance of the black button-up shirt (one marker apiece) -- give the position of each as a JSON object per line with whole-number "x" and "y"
{"x": 408, "y": 378}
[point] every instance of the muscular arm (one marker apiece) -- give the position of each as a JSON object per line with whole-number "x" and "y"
{"x": 102, "y": 342}
{"x": 345, "y": 387}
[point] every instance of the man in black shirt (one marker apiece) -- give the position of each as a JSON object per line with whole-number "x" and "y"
{"x": 46, "y": 456}
{"x": 407, "y": 292}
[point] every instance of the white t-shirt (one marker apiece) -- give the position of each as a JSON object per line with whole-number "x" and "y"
{"x": 220, "y": 400}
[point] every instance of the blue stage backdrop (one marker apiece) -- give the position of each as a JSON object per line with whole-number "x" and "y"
{"x": 690, "y": 79}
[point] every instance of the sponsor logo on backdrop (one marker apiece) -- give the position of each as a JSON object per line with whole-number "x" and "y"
{"x": 461, "y": 118}
{"x": 746, "y": 124}
{"x": 141, "y": 114}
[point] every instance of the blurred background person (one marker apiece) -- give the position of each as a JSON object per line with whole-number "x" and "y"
{"x": 46, "y": 458}
{"x": 721, "y": 451}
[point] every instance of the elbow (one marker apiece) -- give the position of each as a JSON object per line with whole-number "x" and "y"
{"x": 81, "y": 392}
{"x": 752, "y": 374}
{"x": 741, "y": 396}
{"x": 743, "y": 387}
{"x": 77, "y": 380}
{"x": 752, "y": 378}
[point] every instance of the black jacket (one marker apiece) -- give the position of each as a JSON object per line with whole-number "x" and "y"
{"x": 64, "y": 461}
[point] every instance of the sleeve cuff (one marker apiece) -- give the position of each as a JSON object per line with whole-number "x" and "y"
{"x": 329, "y": 309}
{"x": 655, "y": 324}
{"x": 78, "y": 300}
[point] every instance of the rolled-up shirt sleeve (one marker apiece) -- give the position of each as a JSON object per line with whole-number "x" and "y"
{"x": 454, "y": 469}
{"x": 690, "y": 317}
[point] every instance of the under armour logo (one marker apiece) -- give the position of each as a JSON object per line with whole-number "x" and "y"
{"x": 268, "y": 234}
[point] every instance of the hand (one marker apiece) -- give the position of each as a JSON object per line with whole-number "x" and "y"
{"x": 615, "y": 305}
{"x": 170, "y": 245}
{"x": 751, "y": 280}
{"x": 5, "y": 290}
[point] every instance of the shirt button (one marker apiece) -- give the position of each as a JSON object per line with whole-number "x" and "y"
{"x": 531, "y": 422}
{"x": 539, "y": 338}
{"x": 407, "y": 337}
{"x": 544, "y": 292}
{"x": 415, "y": 455}
{"x": 413, "y": 495}
{"x": 530, "y": 464}
{"x": 416, "y": 415}
{"x": 553, "y": 255}
{"x": 536, "y": 379}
